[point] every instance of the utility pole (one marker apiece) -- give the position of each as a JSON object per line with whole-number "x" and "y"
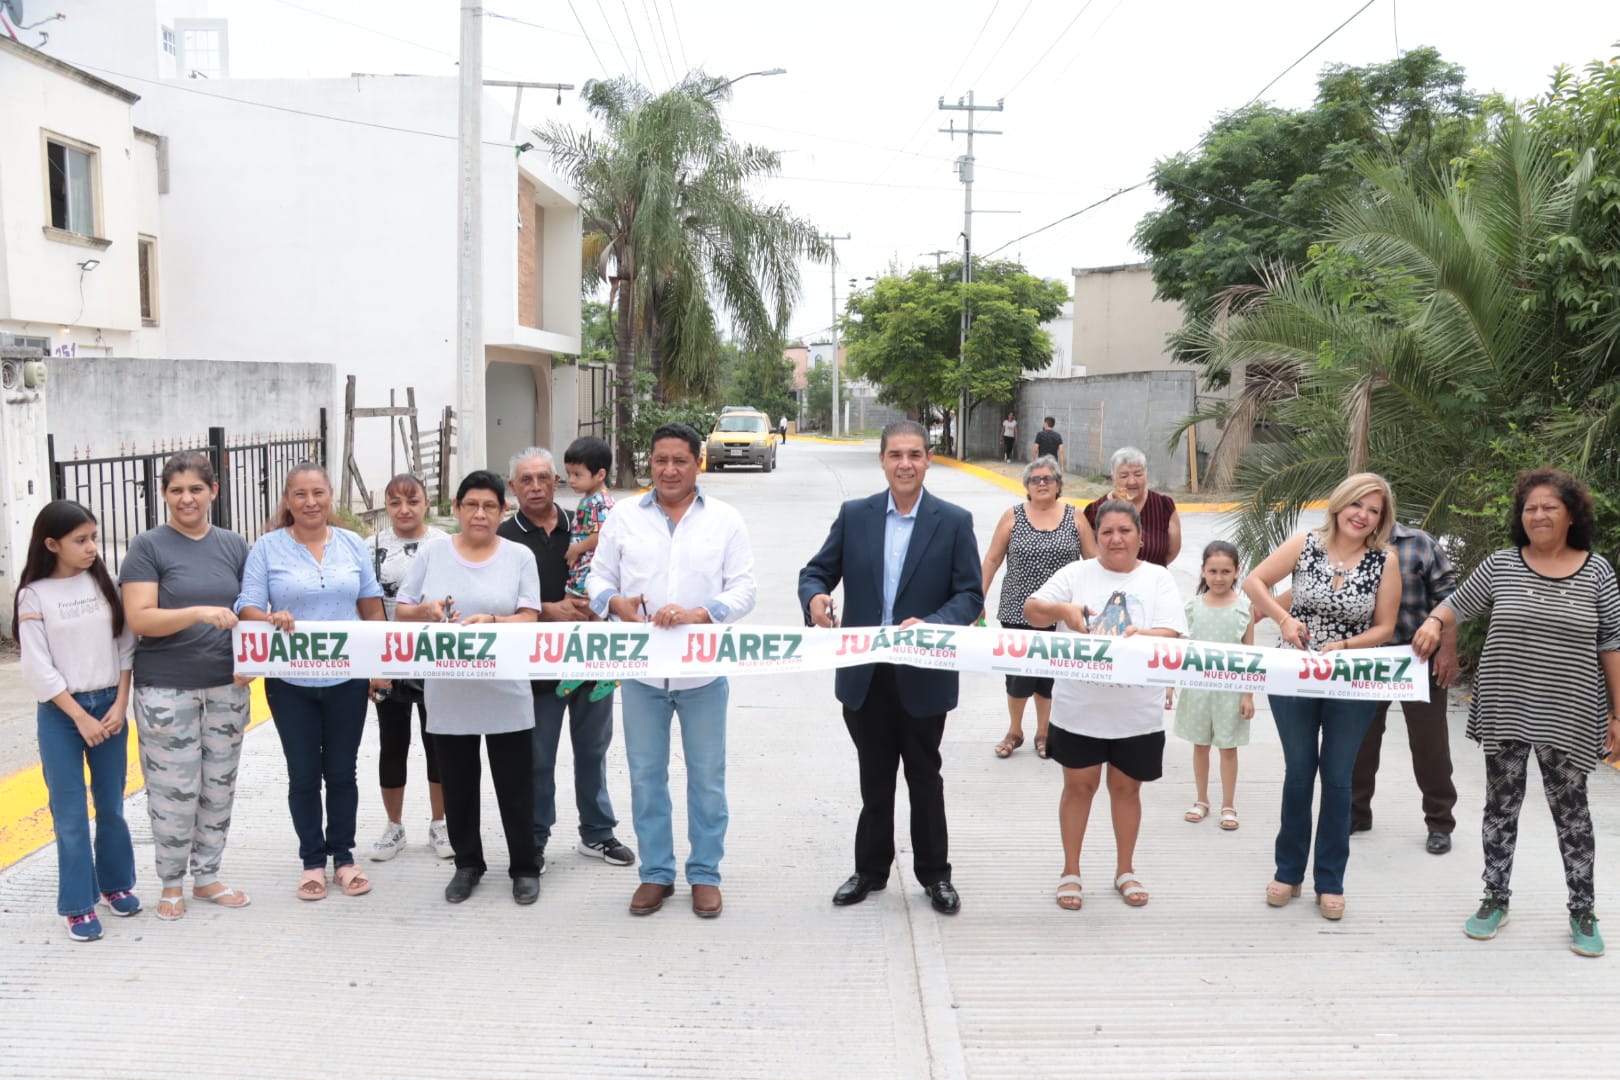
{"x": 470, "y": 446}
{"x": 837, "y": 405}
{"x": 964, "y": 171}
{"x": 938, "y": 254}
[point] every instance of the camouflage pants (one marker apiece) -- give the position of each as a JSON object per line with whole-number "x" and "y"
{"x": 191, "y": 741}
{"x": 1506, "y": 778}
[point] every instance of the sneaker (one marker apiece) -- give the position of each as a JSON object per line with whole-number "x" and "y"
{"x": 1583, "y": 932}
{"x": 609, "y": 851}
{"x": 84, "y": 927}
{"x": 439, "y": 838}
{"x": 1492, "y": 915}
{"x": 389, "y": 844}
{"x": 123, "y": 903}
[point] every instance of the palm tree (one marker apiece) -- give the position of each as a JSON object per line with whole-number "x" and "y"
{"x": 670, "y": 224}
{"x": 1421, "y": 354}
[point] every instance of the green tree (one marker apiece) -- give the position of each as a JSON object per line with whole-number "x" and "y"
{"x": 1442, "y": 335}
{"x": 673, "y": 226}
{"x": 597, "y": 339}
{"x": 818, "y": 396}
{"x": 904, "y": 334}
{"x": 1259, "y": 189}
{"x": 761, "y": 377}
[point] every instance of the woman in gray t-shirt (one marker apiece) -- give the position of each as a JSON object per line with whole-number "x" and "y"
{"x": 477, "y": 578}
{"x": 179, "y": 581}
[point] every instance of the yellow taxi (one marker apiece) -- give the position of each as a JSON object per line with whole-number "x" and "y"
{"x": 741, "y": 438}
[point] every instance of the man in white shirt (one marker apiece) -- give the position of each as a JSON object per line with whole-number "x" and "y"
{"x": 673, "y": 557}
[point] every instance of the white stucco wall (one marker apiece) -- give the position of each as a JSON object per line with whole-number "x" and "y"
{"x": 41, "y": 277}
{"x": 1118, "y": 325}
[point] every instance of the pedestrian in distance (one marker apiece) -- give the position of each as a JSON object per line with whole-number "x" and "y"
{"x": 921, "y": 551}
{"x": 1161, "y": 522}
{"x": 587, "y": 461}
{"x": 308, "y": 567}
{"x": 1048, "y": 443}
{"x": 393, "y": 550}
{"x": 179, "y": 581}
{"x": 781, "y": 427}
{"x": 1218, "y": 612}
{"x": 1427, "y": 578}
{"x": 1036, "y": 538}
{"x": 1009, "y": 437}
{"x": 675, "y": 557}
{"x": 545, "y": 529}
{"x": 1548, "y": 683}
{"x": 477, "y": 578}
{"x": 77, "y": 653}
{"x": 1095, "y": 724}
{"x": 1346, "y": 595}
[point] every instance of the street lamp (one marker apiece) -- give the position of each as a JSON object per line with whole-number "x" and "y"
{"x": 751, "y": 74}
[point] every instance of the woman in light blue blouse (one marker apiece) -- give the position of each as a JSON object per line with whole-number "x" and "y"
{"x": 308, "y": 568}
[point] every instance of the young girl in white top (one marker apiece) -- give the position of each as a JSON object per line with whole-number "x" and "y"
{"x": 77, "y": 655}
{"x": 1218, "y": 718}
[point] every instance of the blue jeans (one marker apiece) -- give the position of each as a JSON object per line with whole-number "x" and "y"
{"x": 647, "y": 714}
{"x": 320, "y": 729}
{"x": 590, "y": 730}
{"x": 1319, "y": 736}
{"x": 84, "y": 870}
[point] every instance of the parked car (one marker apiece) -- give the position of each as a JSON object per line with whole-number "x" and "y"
{"x": 724, "y": 409}
{"x": 741, "y": 438}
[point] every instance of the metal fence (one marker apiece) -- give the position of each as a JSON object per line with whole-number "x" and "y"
{"x": 124, "y": 492}
{"x": 595, "y": 398}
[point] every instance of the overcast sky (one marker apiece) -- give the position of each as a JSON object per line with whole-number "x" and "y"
{"x": 1095, "y": 90}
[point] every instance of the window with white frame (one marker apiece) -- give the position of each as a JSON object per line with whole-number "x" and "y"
{"x": 170, "y": 43}
{"x": 71, "y": 185}
{"x": 149, "y": 280}
{"x": 203, "y": 49}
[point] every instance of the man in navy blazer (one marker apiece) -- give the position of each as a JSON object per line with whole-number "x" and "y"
{"x": 905, "y": 557}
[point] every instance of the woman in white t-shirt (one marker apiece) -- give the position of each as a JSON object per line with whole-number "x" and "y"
{"x": 1093, "y": 724}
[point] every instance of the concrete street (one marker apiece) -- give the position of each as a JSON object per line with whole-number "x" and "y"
{"x": 1205, "y": 981}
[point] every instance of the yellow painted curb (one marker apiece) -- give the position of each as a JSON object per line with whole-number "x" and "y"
{"x": 1017, "y": 488}
{"x": 25, "y": 815}
{"x": 825, "y": 441}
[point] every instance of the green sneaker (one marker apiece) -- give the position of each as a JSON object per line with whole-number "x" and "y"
{"x": 1492, "y": 915}
{"x": 1584, "y": 937}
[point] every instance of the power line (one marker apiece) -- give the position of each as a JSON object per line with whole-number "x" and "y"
{"x": 667, "y": 50}
{"x": 636, "y": 38}
{"x": 1308, "y": 52}
{"x": 679, "y": 40}
{"x": 1149, "y": 179}
{"x": 1083, "y": 8}
{"x": 666, "y": 61}
{"x": 1016, "y": 23}
{"x": 383, "y": 34}
{"x": 180, "y": 87}
{"x": 928, "y": 117}
{"x": 628, "y": 66}
{"x": 581, "y": 23}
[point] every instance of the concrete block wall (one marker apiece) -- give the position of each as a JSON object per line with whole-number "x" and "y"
{"x": 1097, "y": 415}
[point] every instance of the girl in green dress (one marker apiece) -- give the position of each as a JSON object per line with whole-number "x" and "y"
{"x": 1218, "y": 613}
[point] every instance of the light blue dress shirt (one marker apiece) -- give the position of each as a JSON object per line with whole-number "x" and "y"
{"x": 897, "y": 528}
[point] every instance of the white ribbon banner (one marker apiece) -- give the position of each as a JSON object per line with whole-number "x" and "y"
{"x": 611, "y": 650}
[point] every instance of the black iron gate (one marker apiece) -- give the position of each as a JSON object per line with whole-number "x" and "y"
{"x": 124, "y": 491}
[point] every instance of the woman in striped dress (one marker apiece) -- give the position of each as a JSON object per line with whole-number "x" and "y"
{"x": 1548, "y": 680}
{"x": 1037, "y": 538}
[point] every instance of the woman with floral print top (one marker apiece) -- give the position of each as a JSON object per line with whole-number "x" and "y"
{"x": 1346, "y": 595}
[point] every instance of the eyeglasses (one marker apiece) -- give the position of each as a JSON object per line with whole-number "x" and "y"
{"x": 1042, "y": 480}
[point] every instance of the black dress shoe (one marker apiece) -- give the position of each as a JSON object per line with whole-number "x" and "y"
{"x": 943, "y": 896}
{"x": 1360, "y": 826}
{"x": 461, "y": 885}
{"x": 855, "y": 889}
{"x": 1438, "y": 843}
{"x": 526, "y": 890}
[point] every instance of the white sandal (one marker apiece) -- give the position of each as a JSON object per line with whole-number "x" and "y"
{"x": 1069, "y": 888}
{"x": 1131, "y": 889}
{"x": 226, "y": 897}
{"x": 1199, "y": 811}
{"x": 1229, "y": 819}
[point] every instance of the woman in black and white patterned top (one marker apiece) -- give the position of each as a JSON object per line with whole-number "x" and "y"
{"x": 1548, "y": 681}
{"x": 1037, "y": 538}
{"x": 1346, "y": 595}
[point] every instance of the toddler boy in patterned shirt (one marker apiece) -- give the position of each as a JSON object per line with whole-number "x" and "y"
{"x": 587, "y": 461}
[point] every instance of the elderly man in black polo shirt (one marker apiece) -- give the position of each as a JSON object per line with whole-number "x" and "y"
{"x": 542, "y": 526}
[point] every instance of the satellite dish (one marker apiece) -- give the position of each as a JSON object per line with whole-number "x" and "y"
{"x": 13, "y": 10}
